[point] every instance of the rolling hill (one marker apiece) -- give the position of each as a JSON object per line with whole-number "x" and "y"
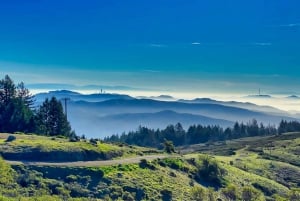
{"x": 253, "y": 168}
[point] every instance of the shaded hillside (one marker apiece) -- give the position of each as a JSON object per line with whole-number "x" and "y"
{"x": 53, "y": 149}
{"x": 97, "y": 119}
{"x": 131, "y": 121}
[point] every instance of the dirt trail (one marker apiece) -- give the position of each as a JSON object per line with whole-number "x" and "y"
{"x": 90, "y": 163}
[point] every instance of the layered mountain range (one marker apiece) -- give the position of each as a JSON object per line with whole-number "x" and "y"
{"x": 103, "y": 114}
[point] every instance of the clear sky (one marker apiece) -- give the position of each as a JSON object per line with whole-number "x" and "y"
{"x": 197, "y": 46}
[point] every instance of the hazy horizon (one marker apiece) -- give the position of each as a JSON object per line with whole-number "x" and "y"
{"x": 280, "y": 101}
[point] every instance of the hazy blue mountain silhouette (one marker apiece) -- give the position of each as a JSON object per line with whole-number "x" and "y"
{"x": 74, "y": 96}
{"x": 245, "y": 105}
{"x": 131, "y": 121}
{"x": 99, "y": 115}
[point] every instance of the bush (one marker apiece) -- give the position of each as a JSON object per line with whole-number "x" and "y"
{"x": 71, "y": 178}
{"x": 169, "y": 147}
{"x": 230, "y": 192}
{"x": 10, "y": 138}
{"x": 174, "y": 163}
{"x": 199, "y": 193}
{"x": 166, "y": 195}
{"x": 249, "y": 193}
{"x": 210, "y": 171}
{"x": 93, "y": 141}
{"x": 127, "y": 196}
{"x": 145, "y": 164}
{"x": 74, "y": 139}
{"x": 294, "y": 194}
{"x": 265, "y": 189}
{"x": 211, "y": 194}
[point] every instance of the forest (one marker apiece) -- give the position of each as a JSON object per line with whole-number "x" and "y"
{"x": 20, "y": 114}
{"x": 196, "y": 134}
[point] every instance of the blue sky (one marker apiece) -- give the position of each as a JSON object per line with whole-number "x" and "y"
{"x": 217, "y": 46}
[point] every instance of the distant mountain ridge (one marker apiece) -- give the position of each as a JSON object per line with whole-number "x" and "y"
{"x": 75, "y": 96}
{"x": 259, "y": 96}
{"x": 293, "y": 97}
{"x": 245, "y": 105}
{"x": 131, "y": 121}
{"x": 99, "y": 115}
{"x": 160, "y": 97}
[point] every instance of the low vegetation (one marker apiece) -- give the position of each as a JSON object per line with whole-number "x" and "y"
{"x": 55, "y": 149}
{"x": 245, "y": 175}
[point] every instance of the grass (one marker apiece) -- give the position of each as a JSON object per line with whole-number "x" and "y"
{"x": 269, "y": 163}
{"x": 35, "y": 147}
{"x": 288, "y": 142}
{"x": 152, "y": 181}
{"x": 53, "y": 143}
{"x": 260, "y": 162}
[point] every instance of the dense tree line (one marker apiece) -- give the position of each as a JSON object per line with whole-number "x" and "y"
{"x": 18, "y": 114}
{"x": 199, "y": 134}
{"x": 286, "y": 126}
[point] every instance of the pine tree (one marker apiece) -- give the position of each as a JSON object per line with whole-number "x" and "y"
{"x": 24, "y": 95}
{"x": 7, "y": 90}
{"x": 15, "y": 114}
{"x": 51, "y": 119}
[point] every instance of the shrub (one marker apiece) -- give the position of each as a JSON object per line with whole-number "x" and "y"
{"x": 172, "y": 174}
{"x": 210, "y": 171}
{"x": 249, "y": 193}
{"x": 145, "y": 164}
{"x": 10, "y": 138}
{"x": 169, "y": 147}
{"x": 265, "y": 189}
{"x": 166, "y": 195}
{"x": 294, "y": 195}
{"x": 230, "y": 192}
{"x": 278, "y": 197}
{"x": 199, "y": 193}
{"x": 127, "y": 196}
{"x": 74, "y": 139}
{"x": 174, "y": 163}
{"x": 211, "y": 194}
{"x": 78, "y": 191}
{"x": 93, "y": 141}
{"x": 71, "y": 178}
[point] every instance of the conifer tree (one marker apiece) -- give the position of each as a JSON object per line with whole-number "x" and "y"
{"x": 51, "y": 119}
{"x": 15, "y": 114}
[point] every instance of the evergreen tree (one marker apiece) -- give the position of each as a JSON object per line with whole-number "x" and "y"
{"x": 7, "y": 90}
{"x": 51, "y": 119}
{"x": 24, "y": 95}
{"x": 236, "y": 130}
{"x": 169, "y": 146}
{"x": 15, "y": 114}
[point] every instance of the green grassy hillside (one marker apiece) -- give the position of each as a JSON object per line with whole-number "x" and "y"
{"x": 41, "y": 148}
{"x": 264, "y": 168}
